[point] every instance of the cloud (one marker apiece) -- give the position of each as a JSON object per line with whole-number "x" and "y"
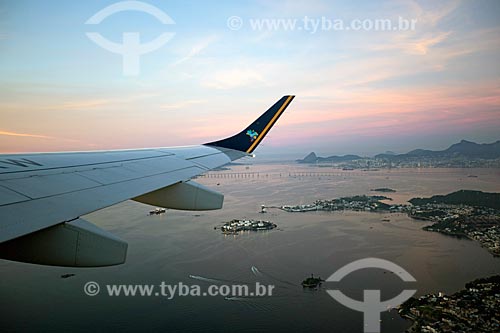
{"x": 181, "y": 105}
{"x": 421, "y": 45}
{"x": 7, "y": 133}
{"x": 196, "y": 50}
{"x": 39, "y": 136}
{"x": 93, "y": 103}
{"x": 234, "y": 78}
{"x": 431, "y": 17}
{"x": 88, "y": 104}
{"x": 427, "y": 33}
{"x": 400, "y": 111}
{"x": 294, "y": 8}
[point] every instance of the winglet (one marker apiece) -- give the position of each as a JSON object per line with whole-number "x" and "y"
{"x": 248, "y": 139}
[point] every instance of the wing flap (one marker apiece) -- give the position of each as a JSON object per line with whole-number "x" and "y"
{"x": 109, "y": 175}
{"x": 9, "y": 197}
{"x": 44, "y": 186}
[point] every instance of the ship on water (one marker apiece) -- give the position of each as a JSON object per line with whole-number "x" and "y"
{"x": 312, "y": 282}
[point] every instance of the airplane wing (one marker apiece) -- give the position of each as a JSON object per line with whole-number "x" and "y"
{"x": 43, "y": 196}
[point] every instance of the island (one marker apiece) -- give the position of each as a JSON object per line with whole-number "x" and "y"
{"x": 356, "y": 203}
{"x": 383, "y": 189}
{"x": 473, "y": 309}
{"x": 235, "y": 226}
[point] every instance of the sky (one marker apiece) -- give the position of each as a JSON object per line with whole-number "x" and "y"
{"x": 358, "y": 89}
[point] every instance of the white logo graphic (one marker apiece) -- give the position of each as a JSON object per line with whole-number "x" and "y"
{"x": 91, "y": 288}
{"x": 372, "y": 304}
{"x": 234, "y": 23}
{"x": 131, "y": 48}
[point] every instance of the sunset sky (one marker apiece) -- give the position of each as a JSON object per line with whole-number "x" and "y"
{"x": 359, "y": 92}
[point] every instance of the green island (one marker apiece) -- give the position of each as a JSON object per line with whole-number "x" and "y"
{"x": 473, "y": 309}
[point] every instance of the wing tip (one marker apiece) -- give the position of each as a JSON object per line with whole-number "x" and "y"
{"x": 248, "y": 139}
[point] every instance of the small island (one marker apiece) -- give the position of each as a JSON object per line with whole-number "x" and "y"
{"x": 383, "y": 189}
{"x": 236, "y": 226}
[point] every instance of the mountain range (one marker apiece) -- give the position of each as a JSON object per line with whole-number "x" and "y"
{"x": 465, "y": 149}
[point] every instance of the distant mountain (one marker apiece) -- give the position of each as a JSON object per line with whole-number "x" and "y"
{"x": 464, "y": 148}
{"x": 312, "y": 158}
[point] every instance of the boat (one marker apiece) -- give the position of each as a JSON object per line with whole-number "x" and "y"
{"x": 312, "y": 282}
{"x": 65, "y": 276}
{"x": 157, "y": 211}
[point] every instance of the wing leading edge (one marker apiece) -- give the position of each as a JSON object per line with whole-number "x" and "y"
{"x": 41, "y": 223}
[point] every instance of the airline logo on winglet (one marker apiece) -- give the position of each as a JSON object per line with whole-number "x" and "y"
{"x": 252, "y": 134}
{"x": 249, "y": 138}
{"x": 270, "y": 123}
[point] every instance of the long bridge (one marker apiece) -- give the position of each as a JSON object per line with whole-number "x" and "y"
{"x": 274, "y": 174}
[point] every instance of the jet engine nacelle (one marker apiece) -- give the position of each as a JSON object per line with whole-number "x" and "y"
{"x": 184, "y": 196}
{"x": 72, "y": 244}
